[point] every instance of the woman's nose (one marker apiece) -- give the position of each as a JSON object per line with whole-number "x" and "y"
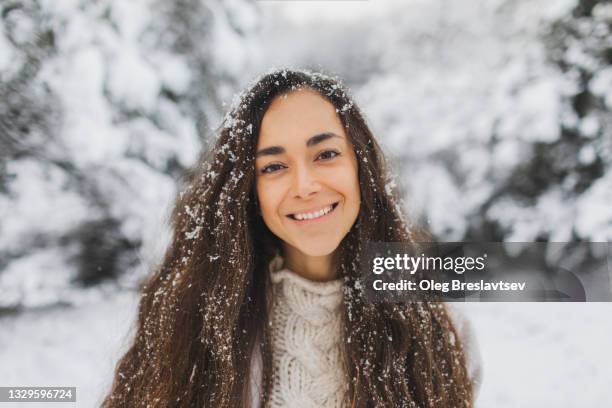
{"x": 305, "y": 182}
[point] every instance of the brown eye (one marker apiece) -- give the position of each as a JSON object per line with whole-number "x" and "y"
{"x": 328, "y": 155}
{"x": 272, "y": 168}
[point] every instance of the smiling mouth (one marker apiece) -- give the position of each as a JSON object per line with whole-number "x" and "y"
{"x": 314, "y": 215}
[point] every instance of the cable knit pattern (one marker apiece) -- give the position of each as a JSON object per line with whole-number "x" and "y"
{"x": 306, "y": 327}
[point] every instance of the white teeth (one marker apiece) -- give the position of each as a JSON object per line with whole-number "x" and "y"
{"x": 316, "y": 214}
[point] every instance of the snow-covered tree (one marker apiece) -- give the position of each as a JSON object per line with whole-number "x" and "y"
{"x": 494, "y": 141}
{"x": 103, "y": 104}
{"x": 580, "y": 44}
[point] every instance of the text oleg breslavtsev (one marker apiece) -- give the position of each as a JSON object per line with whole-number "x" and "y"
{"x": 453, "y": 285}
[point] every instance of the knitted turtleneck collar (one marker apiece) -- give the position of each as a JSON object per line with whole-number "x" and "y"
{"x": 279, "y": 274}
{"x": 306, "y": 323}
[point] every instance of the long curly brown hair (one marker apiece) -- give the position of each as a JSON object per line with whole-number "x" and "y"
{"x": 203, "y": 312}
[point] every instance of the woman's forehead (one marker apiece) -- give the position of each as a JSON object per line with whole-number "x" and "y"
{"x": 299, "y": 114}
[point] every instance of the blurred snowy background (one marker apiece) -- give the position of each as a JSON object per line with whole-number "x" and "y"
{"x": 496, "y": 114}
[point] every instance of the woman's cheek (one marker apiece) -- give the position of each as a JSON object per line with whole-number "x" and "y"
{"x": 270, "y": 197}
{"x": 346, "y": 177}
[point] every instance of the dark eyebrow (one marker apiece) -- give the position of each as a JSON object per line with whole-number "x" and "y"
{"x": 316, "y": 139}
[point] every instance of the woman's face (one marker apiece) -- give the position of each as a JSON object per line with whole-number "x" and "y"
{"x": 306, "y": 172}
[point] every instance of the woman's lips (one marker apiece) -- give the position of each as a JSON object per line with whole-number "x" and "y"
{"x": 293, "y": 218}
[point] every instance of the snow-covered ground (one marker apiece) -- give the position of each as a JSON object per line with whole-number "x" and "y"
{"x": 68, "y": 347}
{"x": 535, "y": 354}
{"x": 544, "y": 354}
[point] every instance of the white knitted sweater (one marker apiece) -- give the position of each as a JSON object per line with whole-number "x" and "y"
{"x": 307, "y": 355}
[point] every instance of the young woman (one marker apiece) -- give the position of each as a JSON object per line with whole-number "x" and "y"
{"x": 258, "y": 300}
